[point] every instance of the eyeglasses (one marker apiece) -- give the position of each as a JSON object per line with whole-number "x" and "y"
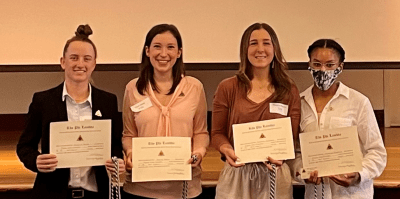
{"x": 319, "y": 65}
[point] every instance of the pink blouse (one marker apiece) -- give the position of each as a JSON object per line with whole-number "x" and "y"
{"x": 184, "y": 116}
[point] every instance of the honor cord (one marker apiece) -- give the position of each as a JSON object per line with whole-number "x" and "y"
{"x": 115, "y": 189}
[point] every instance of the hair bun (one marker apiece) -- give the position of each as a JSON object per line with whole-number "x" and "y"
{"x": 83, "y": 31}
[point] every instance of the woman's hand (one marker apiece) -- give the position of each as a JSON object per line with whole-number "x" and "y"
{"x": 110, "y": 166}
{"x": 230, "y": 156}
{"x": 314, "y": 178}
{"x": 195, "y": 159}
{"x": 346, "y": 180}
{"x": 278, "y": 163}
{"x": 46, "y": 163}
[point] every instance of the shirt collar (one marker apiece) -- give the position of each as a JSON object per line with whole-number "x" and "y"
{"x": 65, "y": 94}
{"x": 342, "y": 90}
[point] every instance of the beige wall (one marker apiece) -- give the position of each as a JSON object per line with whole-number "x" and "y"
{"x": 34, "y": 32}
{"x": 17, "y": 89}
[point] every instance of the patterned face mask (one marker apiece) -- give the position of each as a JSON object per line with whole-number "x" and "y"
{"x": 324, "y": 79}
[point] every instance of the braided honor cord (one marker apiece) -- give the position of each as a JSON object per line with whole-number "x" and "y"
{"x": 185, "y": 190}
{"x": 323, "y": 188}
{"x": 322, "y": 191}
{"x": 115, "y": 190}
{"x": 315, "y": 192}
{"x": 185, "y": 183}
{"x": 272, "y": 180}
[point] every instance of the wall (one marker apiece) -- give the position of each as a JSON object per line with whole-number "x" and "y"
{"x": 34, "y": 32}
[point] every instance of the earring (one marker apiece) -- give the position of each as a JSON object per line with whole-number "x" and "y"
{"x": 272, "y": 65}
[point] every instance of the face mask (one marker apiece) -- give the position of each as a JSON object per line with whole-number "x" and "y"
{"x": 324, "y": 79}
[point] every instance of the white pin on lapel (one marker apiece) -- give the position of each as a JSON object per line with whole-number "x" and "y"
{"x": 98, "y": 113}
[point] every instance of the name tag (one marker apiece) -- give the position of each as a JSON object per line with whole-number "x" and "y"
{"x": 278, "y": 108}
{"x": 339, "y": 122}
{"x": 142, "y": 105}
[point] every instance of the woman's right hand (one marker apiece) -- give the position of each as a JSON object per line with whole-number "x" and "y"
{"x": 314, "y": 178}
{"x": 128, "y": 161}
{"x": 230, "y": 156}
{"x": 46, "y": 163}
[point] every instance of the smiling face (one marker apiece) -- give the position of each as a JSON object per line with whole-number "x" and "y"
{"x": 78, "y": 62}
{"x": 163, "y": 52}
{"x": 261, "y": 50}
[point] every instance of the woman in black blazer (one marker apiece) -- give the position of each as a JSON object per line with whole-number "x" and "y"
{"x": 78, "y": 62}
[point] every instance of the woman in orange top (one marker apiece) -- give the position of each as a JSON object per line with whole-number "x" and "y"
{"x": 261, "y": 83}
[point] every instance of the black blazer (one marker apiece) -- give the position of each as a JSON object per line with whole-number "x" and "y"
{"x": 46, "y": 107}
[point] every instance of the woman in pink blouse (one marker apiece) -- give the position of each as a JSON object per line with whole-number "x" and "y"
{"x": 178, "y": 108}
{"x": 261, "y": 83}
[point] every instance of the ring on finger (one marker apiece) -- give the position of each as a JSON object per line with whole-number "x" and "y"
{"x": 195, "y": 158}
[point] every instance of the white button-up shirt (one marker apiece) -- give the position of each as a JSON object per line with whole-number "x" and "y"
{"x": 83, "y": 177}
{"x": 346, "y": 108}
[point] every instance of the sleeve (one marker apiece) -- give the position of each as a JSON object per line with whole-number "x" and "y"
{"x": 128, "y": 118}
{"x": 27, "y": 147}
{"x": 294, "y": 113}
{"x": 220, "y": 115}
{"x": 116, "y": 129}
{"x": 200, "y": 134}
{"x": 375, "y": 157}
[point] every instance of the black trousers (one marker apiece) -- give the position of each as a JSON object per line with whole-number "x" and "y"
{"x": 82, "y": 193}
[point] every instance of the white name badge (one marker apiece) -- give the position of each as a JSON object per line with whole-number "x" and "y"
{"x": 278, "y": 108}
{"x": 142, "y": 105}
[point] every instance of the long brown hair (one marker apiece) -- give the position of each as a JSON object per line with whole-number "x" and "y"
{"x": 280, "y": 79}
{"x": 147, "y": 70}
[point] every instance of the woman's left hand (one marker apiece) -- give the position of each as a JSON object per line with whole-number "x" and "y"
{"x": 278, "y": 163}
{"x": 346, "y": 180}
{"x": 196, "y": 159}
{"x": 110, "y": 166}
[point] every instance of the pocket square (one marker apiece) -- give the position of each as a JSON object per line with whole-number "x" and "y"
{"x": 98, "y": 113}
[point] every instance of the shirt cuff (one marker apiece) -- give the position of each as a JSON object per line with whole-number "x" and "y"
{"x": 364, "y": 176}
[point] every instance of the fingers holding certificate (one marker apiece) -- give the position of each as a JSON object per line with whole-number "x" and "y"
{"x": 331, "y": 152}
{"x": 256, "y": 141}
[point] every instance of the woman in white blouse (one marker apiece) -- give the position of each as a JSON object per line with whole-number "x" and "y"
{"x": 330, "y": 104}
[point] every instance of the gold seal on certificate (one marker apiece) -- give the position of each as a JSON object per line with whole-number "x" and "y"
{"x": 161, "y": 159}
{"x": 255, "y": 141}
{"x": 81, "y": 143}
{"x": 331, "y": 152}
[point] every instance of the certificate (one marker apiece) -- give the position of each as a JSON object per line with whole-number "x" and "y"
{"x": 161, "y": 159}
{"x": 331, "y": 152}
{"x": 255, "y": 141}
{"x": 81, "y": 143}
